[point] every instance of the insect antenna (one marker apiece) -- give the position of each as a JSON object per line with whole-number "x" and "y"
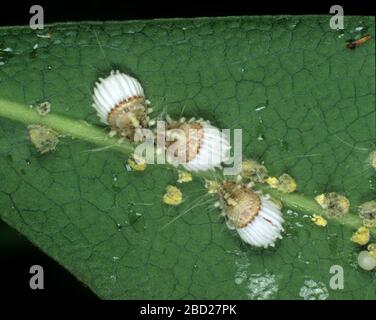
{"x": 197, "y": 203}
{"x": 101, "y": 49}
{"x": 352, "y": 145}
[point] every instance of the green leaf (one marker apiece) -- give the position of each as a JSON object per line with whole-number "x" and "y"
{"x": 106, "y": 225}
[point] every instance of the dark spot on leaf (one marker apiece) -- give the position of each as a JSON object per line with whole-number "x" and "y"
{"x": 33, "y": 54}
{"x": 136, "y": 220}
{"x": 284, "y": 144}
{"x": 116, "y": 188}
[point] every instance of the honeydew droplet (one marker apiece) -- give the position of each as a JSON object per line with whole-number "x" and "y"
{"x": 366, "y": 261}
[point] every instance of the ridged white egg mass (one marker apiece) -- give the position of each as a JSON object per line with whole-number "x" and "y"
{"x": 120, "y": 102}
{"x": 206, "y": 146}
{"x": 256, "y": 219}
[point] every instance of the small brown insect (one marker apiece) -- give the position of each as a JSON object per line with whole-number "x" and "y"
{"x": 193, "y": 132}
{"x": 241, "y": 204}
{"x": 120, "y": 102}
{"x": 352, "y": 44}
{"x": 256, "y": 219}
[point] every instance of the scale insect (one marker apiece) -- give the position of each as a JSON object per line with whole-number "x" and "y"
{"x": 120, "y": 102}
{"x": 43, "y": 139}
{"x": 257, "y": 220}
{"x": 335, "y": 204}
{"x": 200, "y": 145}
{"x": 367, "y": 211}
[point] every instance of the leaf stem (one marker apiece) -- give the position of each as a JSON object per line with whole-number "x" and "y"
{"x": 301, "y": 203}
{"x": 84, "y": 131}
{"x": 66, "y": 126}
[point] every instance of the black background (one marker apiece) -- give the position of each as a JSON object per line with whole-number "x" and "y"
{"x": 17, "y": 12}
{"x": 16, "y": 253}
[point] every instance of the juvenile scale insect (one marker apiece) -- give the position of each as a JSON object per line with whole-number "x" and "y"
{"x": 120, "y": 102}
{"x": 257, "y": 220}
{"x": 204, "y": 146}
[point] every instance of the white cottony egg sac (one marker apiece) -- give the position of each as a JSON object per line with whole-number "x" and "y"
{"x": 266, "y": 227}
{"x": 257, "y": 220}
{"x": 195, "y": 144}
{"x": 204, "y": 146}
{"x": 120, "y": 102}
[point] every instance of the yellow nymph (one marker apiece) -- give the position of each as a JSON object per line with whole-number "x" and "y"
{"x": 361, "y": 236}
{"x": 212, "y": 186}
{"x": 285, "y": 183}
{"x": 137, "y": 163}
{"x": 173, "y": 196}
{"x": 184, "y": 176}
{"x": 272, "y": 182}
{"x": 319, "y": 220}
{"x": 372, "y": 249}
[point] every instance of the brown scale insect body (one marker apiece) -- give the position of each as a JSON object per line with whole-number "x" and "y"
{"x": 193, "y": 134}
{"x": 240, "y": 204}
{"x": 127, "y": 116}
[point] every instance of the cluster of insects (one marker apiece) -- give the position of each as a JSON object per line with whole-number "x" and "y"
{"x": 121, "y": 104}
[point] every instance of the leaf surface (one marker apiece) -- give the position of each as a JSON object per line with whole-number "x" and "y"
{"x": 306, "y": 105}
